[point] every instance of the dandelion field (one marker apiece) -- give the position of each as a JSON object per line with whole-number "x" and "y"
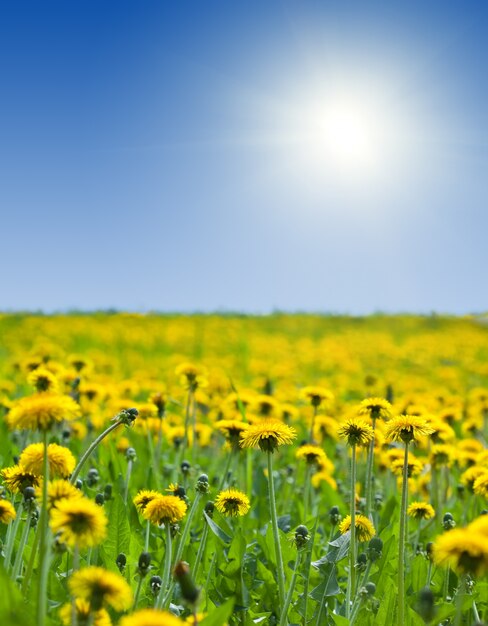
{"x": 288, "y": 469}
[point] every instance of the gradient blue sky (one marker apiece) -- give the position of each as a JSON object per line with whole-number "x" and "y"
{"x": 156, "y": 155}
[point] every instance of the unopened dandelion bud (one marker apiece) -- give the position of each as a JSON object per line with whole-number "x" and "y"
{"x": 144, "y": 563}
{"x": 155, "y": 584}
{"x": 448, "y": 521}
{"x": 92, "y": 477}
{"x": 209, "y": 508}
{"x": 127, "y": 416}
{"x": 363, "y": 593}
{"x": 29, "y": 494}
{"x": 301, "y": 536}
{"x": 79, "y": 484}
{"x": 100, "y": 499}
{"x": 130, "y": 454}
{"x": 185, "y": 467}
{"x": 375, "y": 549}
{"x": 361, "y": 562}
{"x": 371, "y": 588}
{"x": 334, "y": 515}
{"x": 202, "y": 485}
{"x": 429, "y": 550}
{"x": 189, "y": 590}
{"x": 107, "y": 492}
{"x": 425, "y": 604}
{"x": 121, "y": 561}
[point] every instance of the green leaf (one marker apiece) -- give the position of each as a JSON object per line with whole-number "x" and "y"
{"x": 217, "y": 531}
{"x": 118, "y": 533}
{"x": 220, "y": 616}
{"x": 329, "y": 584}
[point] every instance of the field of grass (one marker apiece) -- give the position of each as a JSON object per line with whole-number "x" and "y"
{"x": 243, "y": 470}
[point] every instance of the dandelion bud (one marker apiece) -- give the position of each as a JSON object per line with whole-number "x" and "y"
{"x": 334, "y": 515}
{"x": 100, "y": 499}
{"x": 155, "y": 584}
{"x": 425, "y": 604}
{"x": 29, "y": 495}
{"x": 92, "y": 477}
{"x": 79, "y": 484}
{"x": 107, "y": 492}
{"x": 202, "y": 485}
{"x": 370, "y": 588}
{"x": 121, "y": 561}
{"x": 375, "y": 549}
{"x": 429, "y": 550}
{"x": 448, "y": 521}
{"x": 189, "y": 590}
{"x": 209, "y": 508}
{"x": 301, "y": 536}
{"x": 127, "y": 416}
{"x": 144, "y": 563}
{"x": 361, "y": 562}
{"x": 185, "y": 467}
{"x": 130, "y": 454}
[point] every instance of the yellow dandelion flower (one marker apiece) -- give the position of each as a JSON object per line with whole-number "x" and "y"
{"x": 79, "y": 521}
{"x": 469, "y": 476}
{"x": 480, "y": 485}
{"x": 99, "y": 586}
{"x": 442, "y": 455}
{"x": 232, "y": 502}
{"x": 143, "y": 498}
{"x": 41, "y": 411}
{"x": 165, "y": 510}
{"x": 356, "y": 431}
{"x": 231, "y": 429}
{"x": 16, "y": 478}
{"x": 325, "y": 427}
{"x": 316, "y": 395}
{"x": 151, "y": 617}
{"x": 421, "y": 510}
{"x": 364, "y": 527}
{"x": 84, "y": 612}
{"x": 312, "y": 454}
{"x": 407, "y": 428}
{"x": 414, "y": 466}
{"x": 323, "y": 477}
{"x": 43, "y": 380}
{"x": 7, "y": 512}
{"x": 375, "y": 408}
{"x": 267, "y": 435}
{"x": 463, "y": 550}
{"x": 58, "y": 490}
{"x": 61, "y": 460}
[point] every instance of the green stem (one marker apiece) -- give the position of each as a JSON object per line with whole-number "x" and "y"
{"x": 274, "y": 523}
{"x": 167, "y": 567}
{"x": 201, "y": 551}
{"x": 182, "y": 542}
{"x": 138, "y": 592}
{"x": 89, "y": 450}
{"x": 32, "y": 558}
{"x": 130, "y": 463}
{"x": 148, "y": 534}
{"x": 401, "y": 545}
{"x": 351, "y": 585}
{"x": 13, "y": 536}
{"x": 445, "y": 592}
{"x": 369, "y": 473}
{"x": 289, "y": 595}
{"x": 308, "y": 563}
{"x": 358, "y": 600}
{"x": 225, "y": 474}
{"x": 459, "y": 601}
{"x": 306, "y": 494}
{"x": 312, "y": 425}
{"x": 20, "y": 549}
{"x": 44, "y": 545}
{"x": 184, "y": 445}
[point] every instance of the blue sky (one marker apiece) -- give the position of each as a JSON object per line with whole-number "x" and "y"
{"x": 187, "y": 155}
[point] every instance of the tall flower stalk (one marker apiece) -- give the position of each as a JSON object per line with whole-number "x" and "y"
{"x": 357, "y": 432}
{"x": 268, "y": 435}
{"x": 404, "y": 428}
